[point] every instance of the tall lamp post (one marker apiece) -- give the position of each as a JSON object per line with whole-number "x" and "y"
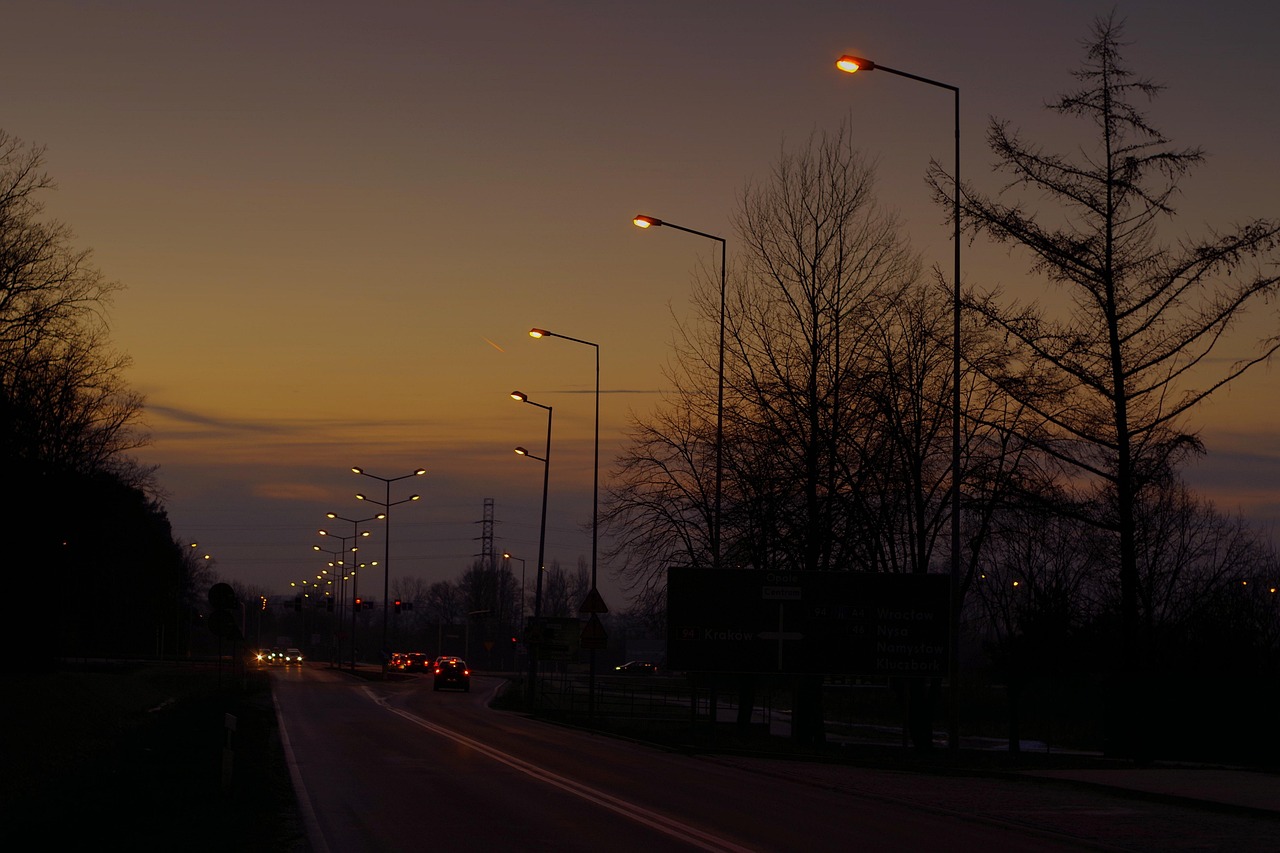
{"x": 335, "y": 563}
{"x": 850, "y": 65}
{"x": 386, "y": 554}
{"x": 595, "y": 504}
{"x": 651, "y": 222}
{"x": 545, "y": 459}
{"x": 342, "y": 568}
{"x": 355, "y": 580}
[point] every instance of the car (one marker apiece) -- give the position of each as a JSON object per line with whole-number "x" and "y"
{"x": 291, "y": 655}
{"x": 410, "y": 662}
{"x": 637, "y": 667}
{"x": 276, "y": 655}
{"x": 451, "y": 672}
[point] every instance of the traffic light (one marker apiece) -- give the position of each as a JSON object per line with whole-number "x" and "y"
{"x": 397, "y": 605}
{"x": 359, "y": 604}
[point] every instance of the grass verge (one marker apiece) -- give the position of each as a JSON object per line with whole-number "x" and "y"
{"x": 135, "y": 755}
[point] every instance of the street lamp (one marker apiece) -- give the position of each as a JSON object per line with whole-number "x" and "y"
{"x": 653, "y": 222}
{"x": 355, "y": 580}
{"x": 850, "y": 65}
{"x": 341, "y": 565}
{"x": 595, "y": 488}
{"x": 386, "y": 556}
{"x": 545, "y": 459}
{"x": 507, "y": 556}
{"x": 595, "y": 506}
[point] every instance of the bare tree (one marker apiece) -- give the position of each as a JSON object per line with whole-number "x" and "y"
{"x": 822, "y": 258}
{"x": 819, "y": 260}
{"x": 1113, "y": 376}
{"x": 62, "y": 395}
{"x": 443, "y": 603}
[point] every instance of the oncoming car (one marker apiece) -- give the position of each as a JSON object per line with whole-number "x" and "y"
{"x": 637, "y": 667}
{"x": 291, "y": 656}
{"x": 451, "y": 672}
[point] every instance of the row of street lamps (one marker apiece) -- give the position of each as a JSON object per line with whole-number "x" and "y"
{"x": 356, "y": 535}
{"x": 848, "y": 64}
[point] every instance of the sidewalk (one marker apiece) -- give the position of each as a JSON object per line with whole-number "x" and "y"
{"x": 1237, "y": 788}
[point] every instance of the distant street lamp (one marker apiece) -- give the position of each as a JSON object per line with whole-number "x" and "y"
{"x": 507, "y": 556}
{"x": 545, "y": 459}
{"x": 653, "y": 222}
{"x": 386, "y": 557}
{"x": 355, "y": 581}
{"x": 341, "y": 565}
{"x": 850, "y": 65}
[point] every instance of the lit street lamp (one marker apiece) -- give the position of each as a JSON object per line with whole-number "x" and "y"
{"x": 850, "y": 65}
{"x": 650, "y": 222}
{"x": 595, "y": 504}
{"x": 507, "y": 556}
{"x": 595, "y": 488}
{"x": 386, "y": 557}
{"x": 545, "y": 459}
{"x": 355, "y": 581}
{"x": 343, "y": 577}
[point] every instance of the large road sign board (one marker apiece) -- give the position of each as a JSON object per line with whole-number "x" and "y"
{"x": 835, "y": 623}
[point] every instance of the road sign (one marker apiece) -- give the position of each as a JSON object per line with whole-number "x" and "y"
{"x": 554, "y": 638}
{"x": 593, "y": 634}
{"x": 593, "y": 603}
{"x": 833, "y": 623}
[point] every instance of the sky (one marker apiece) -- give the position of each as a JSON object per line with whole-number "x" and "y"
{"x": 337, "y": 221}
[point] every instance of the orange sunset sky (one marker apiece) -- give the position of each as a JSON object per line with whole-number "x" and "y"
{"x": 337, "y": 221}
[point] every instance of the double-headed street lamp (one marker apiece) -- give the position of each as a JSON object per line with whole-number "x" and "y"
{"x": 545, "y": 459}
{"x": 850, "y": 65}
{"x": 339, "y": 562}
{"x": 651, "y": 222}
{"x": 386, "y": 556}
{"x": 355, "y": 580}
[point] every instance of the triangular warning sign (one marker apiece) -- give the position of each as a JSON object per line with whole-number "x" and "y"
{"x": 594, "y": 603}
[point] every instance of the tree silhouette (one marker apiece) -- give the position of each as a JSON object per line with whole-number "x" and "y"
{"x": 1111, "y": 377}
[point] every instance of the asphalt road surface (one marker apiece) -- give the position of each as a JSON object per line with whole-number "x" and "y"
{"x": 393, "y": 766}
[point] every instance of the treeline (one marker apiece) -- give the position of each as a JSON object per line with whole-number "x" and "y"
{"x": 1080, "y": 545}
{"x": 93, "y": 566}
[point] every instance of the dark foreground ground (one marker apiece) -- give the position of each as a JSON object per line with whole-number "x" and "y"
{"x": 131, "y": 756}
{"x": 135, "y": 756}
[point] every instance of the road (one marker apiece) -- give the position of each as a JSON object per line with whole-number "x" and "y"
{"x": 396, "y": 766}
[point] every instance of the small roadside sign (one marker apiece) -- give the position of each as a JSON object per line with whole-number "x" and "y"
{"x": 593, "y": 634}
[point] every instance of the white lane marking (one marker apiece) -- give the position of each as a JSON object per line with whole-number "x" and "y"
{"x": 654, "y": 820}
{"x": 309, "y": 820}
